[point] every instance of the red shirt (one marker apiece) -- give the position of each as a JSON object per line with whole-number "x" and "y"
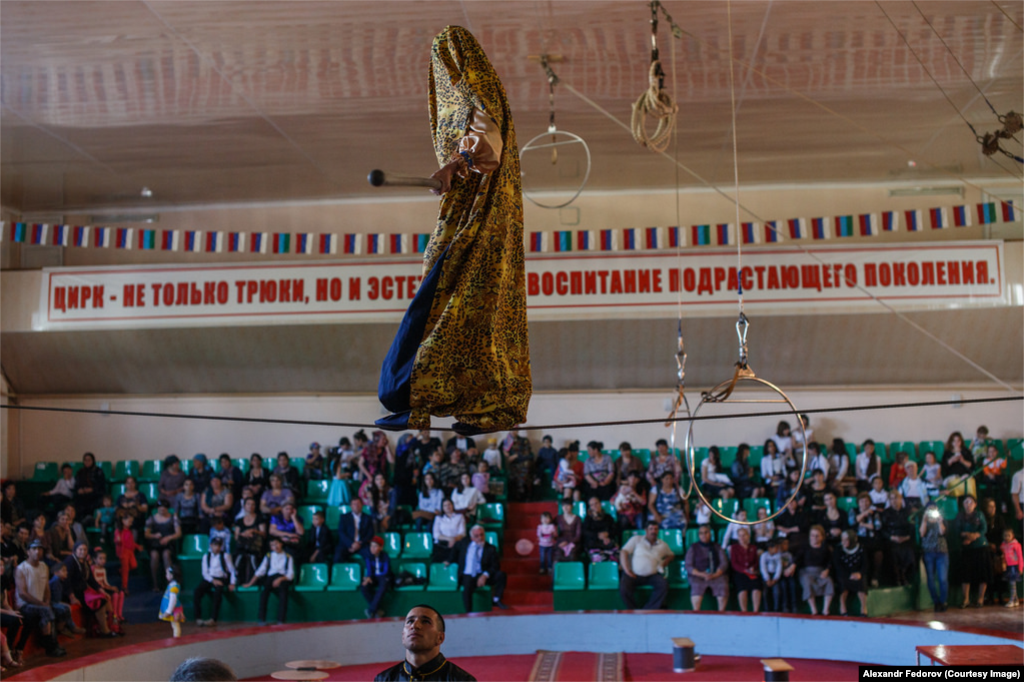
{"x": 744, "y": 560}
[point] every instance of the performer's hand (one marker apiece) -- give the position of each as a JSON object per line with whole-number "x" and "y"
{"x": 444, "y": 175}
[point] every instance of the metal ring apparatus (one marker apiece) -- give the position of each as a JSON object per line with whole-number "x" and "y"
{"x": 572, "y": 139}
{"x": 681, "y": 401}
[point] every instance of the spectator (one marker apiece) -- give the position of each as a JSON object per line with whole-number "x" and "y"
{"x": 596, "y": 522}
{"x": 716, "y": 483}
{"x": 451, "y": 471}
{"x": 1014, "y": 564}
{"x": 172, "y": 480}
{"x": 773, "y": 467}
{"x": 839, "y": 477}
{"x": 570, "y": 531}
{"x": 171, "y": 609}
{"x": 430, "y": 499}
{"x": 868, "y": 464}
{"x": 995, "y": 525}
{"x": 11, "y": 621}
{"x": 784, "y": 440}
{"x": 405, "y": 475}
{"x": 203, "y": 670}
{"x": 790, "y": 586}
{"x": 277, "y": 571}
{"x": 288, "y": 528}
{"x": 817, "y": 461}
{"x": 957, "y": 463}
{"x": 11, "y": 509}
{"x": 816, "y": 495}
{"x": 519, "y": 458}
{"x": 936, "y": 556}
{"x": 449, "y": 529}
{"x": 425, "y": 445}
{"x": 77, "y": 530}
{"x": 815, "y": 561}
{"x": 932, "y": 473}
{"x": 126, "y": 547}
{"x": 133, "y": 502}
{"x": 288, "y": 474}
{"x": 321, "y": 542}
{"x": 764, "y": 532}
{"x": 992, "y": 479}
{"x": 492, "y": 455}
{"x": 250, "y": 540}
{"x": 63, "y": 492}
{"x": 547, "y": 459}
{"x": 257, "y": 479}
{"x": 879, "y": 496}
{"x": 478, "y": 566}
{"x": 598, "y": 473}
{"x": 913, "y": 488}
{"x": 850, "y": 563}
{"x": 467, "y": 498}
{"x": 216, "y": 501}
{"x": 770, "y": 564}
{"x": 642, "y": 560}
{"x": 376, "y": 578}
{"x": 731, "y": 534}
{"x": 801, "y": 436}
{"x": 232, "y": 478}
{"x": 482, "y": 480}
{"x": 898, "y": 470}
{"x": 706, "y": 564}
{"x": 569, "y": 476}
{"x": 899, "y": 532}
{"x": 1017, "y": 495}
{"x": 201, "y": 473}
{"x": 186, "y": 506}
{"x": 792, "y": 488}
{"x": 977, "y": 568}
{"x": 62, "y": 544}
{"x": 162, "y": 531}
{"x": 629, "y": 504}
{"x": 354, "y": 533}
{"x": 662, "y": 461}
{"x": 792, "y": 525}
{"x": 422, "y": 638}
{"x": 32, "y": 597}
{"x": 42, "y": 536}
{"x": 220, "y": 530}
{"x": 275, "y": 497}
{"x": 459, "y": 442}
{"x": 104, "y": 518}
{"x": 627, "y": 463}
{"x": 86, "y": 591}
{"x": 868, "y": 522}
{"x": 341, "y": 474}
{"x": 374, "y": 459}
{"x": 743, "y": 557}
{"x": 980, "y": 443}
{"x": 546, "y": 534}
{"x": 313, "y": 465}
{"x": 60, "y": 601}
{"x": 742, "y": 474}
{"x": 116, "y": 596}
{"x": 90, "y": 485}
{"x": 218, "y": 575}
{"x": 833, "y": 521}
{"x": 377, "y": 500}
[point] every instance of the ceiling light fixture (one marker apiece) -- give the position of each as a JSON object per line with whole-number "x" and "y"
{"x": 146, "y": 193}
{"x": 926, "y": 191}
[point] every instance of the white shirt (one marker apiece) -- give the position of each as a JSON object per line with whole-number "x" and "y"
{"x": 1017, "y": 486}
{"x": 841, "y": 463}
{"x": 277, "y": 563}
{"x": 819, "y": 461}
{"x": 879, "y": 497}
{"x": 863, "y": 463}
{"x": 771, "y": 466}
{"x": 783, "y": 443}
{"x": 731, "y": 533}
{"x": 31, "y": 579}
{"x": 797, "y": 440}
{"x": 703, "y": 515}
{"x": 467, "y": 499}
{"x": 492, "y": 456}
{"x": 212, "y": 569}
{"x": 914, "y": 487}
{"x": 645, "y": 559}
{"x": 65, "y": 487}
{"x": 449, "y": 526}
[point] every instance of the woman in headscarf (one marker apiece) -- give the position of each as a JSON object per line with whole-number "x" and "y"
{"x": 462, "y": 347}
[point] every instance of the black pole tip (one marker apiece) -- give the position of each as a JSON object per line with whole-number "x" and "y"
{"x": 376, "y": 178}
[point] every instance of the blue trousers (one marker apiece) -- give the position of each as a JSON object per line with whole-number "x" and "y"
{"x": 936, "y": 568}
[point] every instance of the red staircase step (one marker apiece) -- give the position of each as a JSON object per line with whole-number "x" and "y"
{"x": 529, "y": 582}
{"x": 513, "y": 598}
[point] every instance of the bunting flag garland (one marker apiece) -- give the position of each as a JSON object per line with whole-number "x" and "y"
{"x": 123, "y": 238}
{"x": 213, "y": 242}
{"x": 81, "y": 236}
{"x": 352, "y": 244}
{"x": 193, "y": 240}
{"x": 723, "y": 234}
{"x": 749, "y": 233}
{"x": 420, "y": 242}
{"x": 147, "y": 240}
{"x": 397, "y": 243}
{"x": 257, "y": 242}
{"x": 938, "y": 219}
{"x": 327, "y": 243}
{"x": 890, "y": 221}
{"x": 701, "y": 235}
{"x": 867, "y": 224}
{"x": 59, "y": 236}
{"x": 675, "y": 238}
{"x": 961, "y": 216}
{"x": 17, "y": 232}
{"x": 915, "y": 221}
{"x": 844, "y": 225}
{"x": 101, "y": 237}
{"x": 772, "y": 232}
{"x": 653, "y": 238}
{"x": 986, "y": 214}
{"x": 37, "y": 234}
{"x": 1010, "y": 212}
{"x": 374, "y": 243}
{"x": 797, "y": 228}
{"x": 236, "y": 242}
{"x": 537, "y": 242}
{"x": 819, "y": 228}
{"x": 586, "y": 240}
{"x": 281, "y": 242}
{"x": 629, "y": 239}
{"x": 563, "y": 241}
{"x": 304, "y": 243}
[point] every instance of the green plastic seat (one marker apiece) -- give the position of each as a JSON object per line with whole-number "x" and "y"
{"x": 491, "y": 538}
{"x": 194, "y": 547}
{"x": 1015, "y": 448}
{"x": 630, "y": 532}
{"x": 116, "y": 491}
{"x": 604, "y": 575}
{"x": 728, "y": 455}
{"x": 345, "y": 578}
{"x": 677, "y": 577}
{"x": 150, "y": 472}
{"x": 752, "y": 504}
{"x": 186, "y": 466}
{"x": 644, "y": 454}
{"x": 151, "y": 491}
{"x": 75, "y": 466}
{"x": 317, "y": 491}
{"x": 673, "y": 537}
{"x": 46, "y": 472}
{"x": 299, "y": 463}
{"x": 906, "y": 446}
{"x": 756, "y": 455}
{"x": 417, "y": 546}
{"x": 418, "y": 570}
{"x": 948, "y": 507}
{"x": 723, "y": 506}
{"x": 305, "y": 513}
{"x": 242, "y": 463}
{"x": 936, "y": 446}
{"x": 580, "y": 509}
{"x": 491, "y": 516}
{"x": 332, "y": 517}
{"x": 443, "y": 578}
{"x": 610, "y": 509}
{"x": 692, "y": 536}
{"x": 312, "y": 578}
{"x": 125, "y": 468}
{"x": 107, "y": 468}
{"x": 569, "y": 576}
{"x": 845, "y": 504}
{"x": 393, "y": 544}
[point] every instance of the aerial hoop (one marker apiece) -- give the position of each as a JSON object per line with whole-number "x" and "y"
{"x": 723, "y": 393}
{"x": 571, "y": 138}
{"x": 681, "y": 402}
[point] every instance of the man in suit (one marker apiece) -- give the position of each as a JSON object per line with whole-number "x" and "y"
{"x": 322, "y": 545}
{"x": 354, "y": 534}
{"x": 479, "y": 566}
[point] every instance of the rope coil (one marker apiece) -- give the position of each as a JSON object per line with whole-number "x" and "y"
{"x": 656, "y": 102}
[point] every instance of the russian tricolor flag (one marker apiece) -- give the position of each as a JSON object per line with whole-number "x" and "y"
{"x": 420, "y": 242}
{"x": 60, "y": 235}
{"x": 563, "y": 241}
{"x": 193, "y": 240}
{"x": 257, "y": 242}
{"x": 890, "y": 221}
{"x": 1010, "y": 212}
{"x": 986, "y": 213}
{"x": 101, "y": 237}
{"x": 213, "y": 242}
{"x": 123, "y": 238}
{"x": 80, "y": 236}
{"x": 961, "y": 216}
{"x": 37, "y": 235}
{"x": 915, "y": 221}
{"x": 938, "y": 219}
{"x": 608, "y": 240}
{"x": 537, "y": 242}
{"x": 772, "y": 232}
{"x": 327, "y": 243}
{"x": 169, "y": 240}
{"x": 843, "y": 225}
{"x": 797, "y": 228}
{"x": 749, "y": 233}
{"x": 723, "y": 234}
{"x": 867, "y": 224}
{"x": 374, "y": 243}
{"x": 396, "y": 243}
{"x": 351, "y": 243}
{"x": 675, "y": 238}
{"x": 236, "y": 242}
{"x": 701, "y": 235}
{"x": 147, "y": 239}
{"x": 818, "y": 228}
{"x": 303, "y": 242}
{"x": 629, "y": 239}
{"x": 653, "y": 238}
{"x": 586, "y": 240}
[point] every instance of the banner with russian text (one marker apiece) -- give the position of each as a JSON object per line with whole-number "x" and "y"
{"x": 584, "y": 285}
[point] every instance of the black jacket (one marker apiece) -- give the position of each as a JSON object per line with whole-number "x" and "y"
{"x": 489, "y": 562}
{"x": 439, "y": 668}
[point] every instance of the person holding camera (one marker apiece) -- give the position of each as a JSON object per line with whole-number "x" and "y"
{"x": 936, "y": 555}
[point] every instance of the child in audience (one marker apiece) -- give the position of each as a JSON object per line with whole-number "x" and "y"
{"x": 628, "y": 504}
{"x": 220, "y": 530}
{"x": 99, "y": 572}
{"x": 993, "y": 476}
{"x": 104, "y": 516}
{"x": 63, "y": 491}
{"x": 931, "y": 472}
{"x": 605, "y": 550}
{"x": 321, "y": 544}
{"x": 790, "y": 585}
{"x": 764, "y": 531}
{"x": 898, "y": 470}
{"x": 703, "y": 514}
{"x": 913, "y": 488}
{"x": 1014, "y": 564}
{"x": 546, "y": 534}
{"x": 771, "y": 574}
{"x": 482, "y": 479}
{"x": 60, "y": 596}
{"x": 867, "y": 464}
{"x": 731, "y": 532}
{"x": 170, "y": 606}
{"x": 879, "y": 497}
{"x": 125, "y": 547}
{"x": 492, "y": 455}
{"x": 277, "y": 572}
